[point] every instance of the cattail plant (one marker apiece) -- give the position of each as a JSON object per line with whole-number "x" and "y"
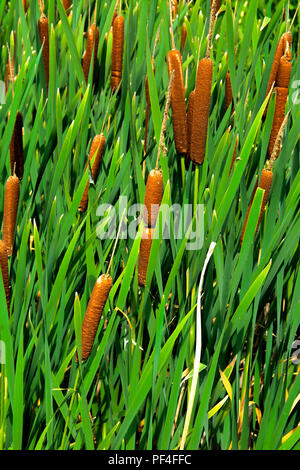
{"x": 228, "y": 91}
{"x": 92, "y": 41}
{"x": 4, "y": 270}
{"x": 266, "y": 179}
{"x": 282, "y": 91}
{"x": 93, "y": 314}
{"x": 11, "y": 201}
{"x": 285, "y": 39}
{"x": 96, "y": 306}
{"x": 179, "y": 118}
{"x": 190, "y": 111}
{"x": 43, "y": 28}
{"x": 148, "y": 104}
{"x": 145, "y": 248}
{"x": 202, "y": 99}
{"x": 96, "y": 153}
{"x": 16, "y": 148}
{"x": 153, "y": 196}
{"x": 117, "y": 52}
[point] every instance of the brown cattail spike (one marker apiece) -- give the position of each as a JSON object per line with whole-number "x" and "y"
{"x": 178, "y": 102}
{"x": 280, "y": 51}
{"x": 284, "y": 71}
{"x": 24, "y": 5}
{"x": 145, "y": 248}
{"x": 228, "y": 91}
{"x": 93, "y": 314}
{"x": 97, "y": 148}
{"x": 91, "y": 46}
{"x": 4, "y": 270}
{"x": 153, "y": 196}
{"x": 43, "y": 27}
{"x": 190, "y": 111}
{"x": 265, "y": 184}
{"x": 279, "y": 113}
{"x": 11, "y": 201}
{"x": 201, "y": 110}
{"x": 117, "y": 52}
{"x": 16, "y": 148}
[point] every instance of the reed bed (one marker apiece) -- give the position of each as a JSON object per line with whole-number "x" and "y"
{"x": 116, "y": 339}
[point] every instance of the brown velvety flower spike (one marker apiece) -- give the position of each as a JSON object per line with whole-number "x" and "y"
{"x": 93, "y": 314}
{"x": 201, "y": 104}
{"x": 179, "y": 117}
{"x": 92, "y": 42}
{"x": 16, "y": 148}
{"x": 117, "y": 52}
{"x": 153, "y": 196}
{"x": 145, "y": 248}
{"x": 43, "y": 27}
{"x": 11, "y": 201}
{"x": 4, "y": 270}
{"x": 97, "y": 147}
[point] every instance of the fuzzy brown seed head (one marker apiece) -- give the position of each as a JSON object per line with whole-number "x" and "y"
{"x": 279, "y": 113}
{"x": 280, "y": 51}
{"x": 145, "y": 248}
{"x": 284, "y": 72}
{"x": 201, "y": 110}
{"x": 92, "y": 43}
{"x": 43, "y": 27}
{"x": 117, "y": 52}
{"x": 16, "y": 148}
{"x": 179, "y": 117}
{"x": 97, "y": 147}
{"x": 286, "y": 38}
{"x": 4, "y": 270}
{"x": 228, "y": 91}
{"x": 153, "y": 196}
{"x": 11, "y": 201}
{"x": 93, "y": 314}
{"x": 190, "y": 111}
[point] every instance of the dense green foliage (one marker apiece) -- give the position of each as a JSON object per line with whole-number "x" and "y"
{"x": 129, "y": 394}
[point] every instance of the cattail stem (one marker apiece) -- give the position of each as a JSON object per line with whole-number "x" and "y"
{"x": 213, "y": 12}
{"x": 278, "y": 142}
{"x": 165, "y": 118}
